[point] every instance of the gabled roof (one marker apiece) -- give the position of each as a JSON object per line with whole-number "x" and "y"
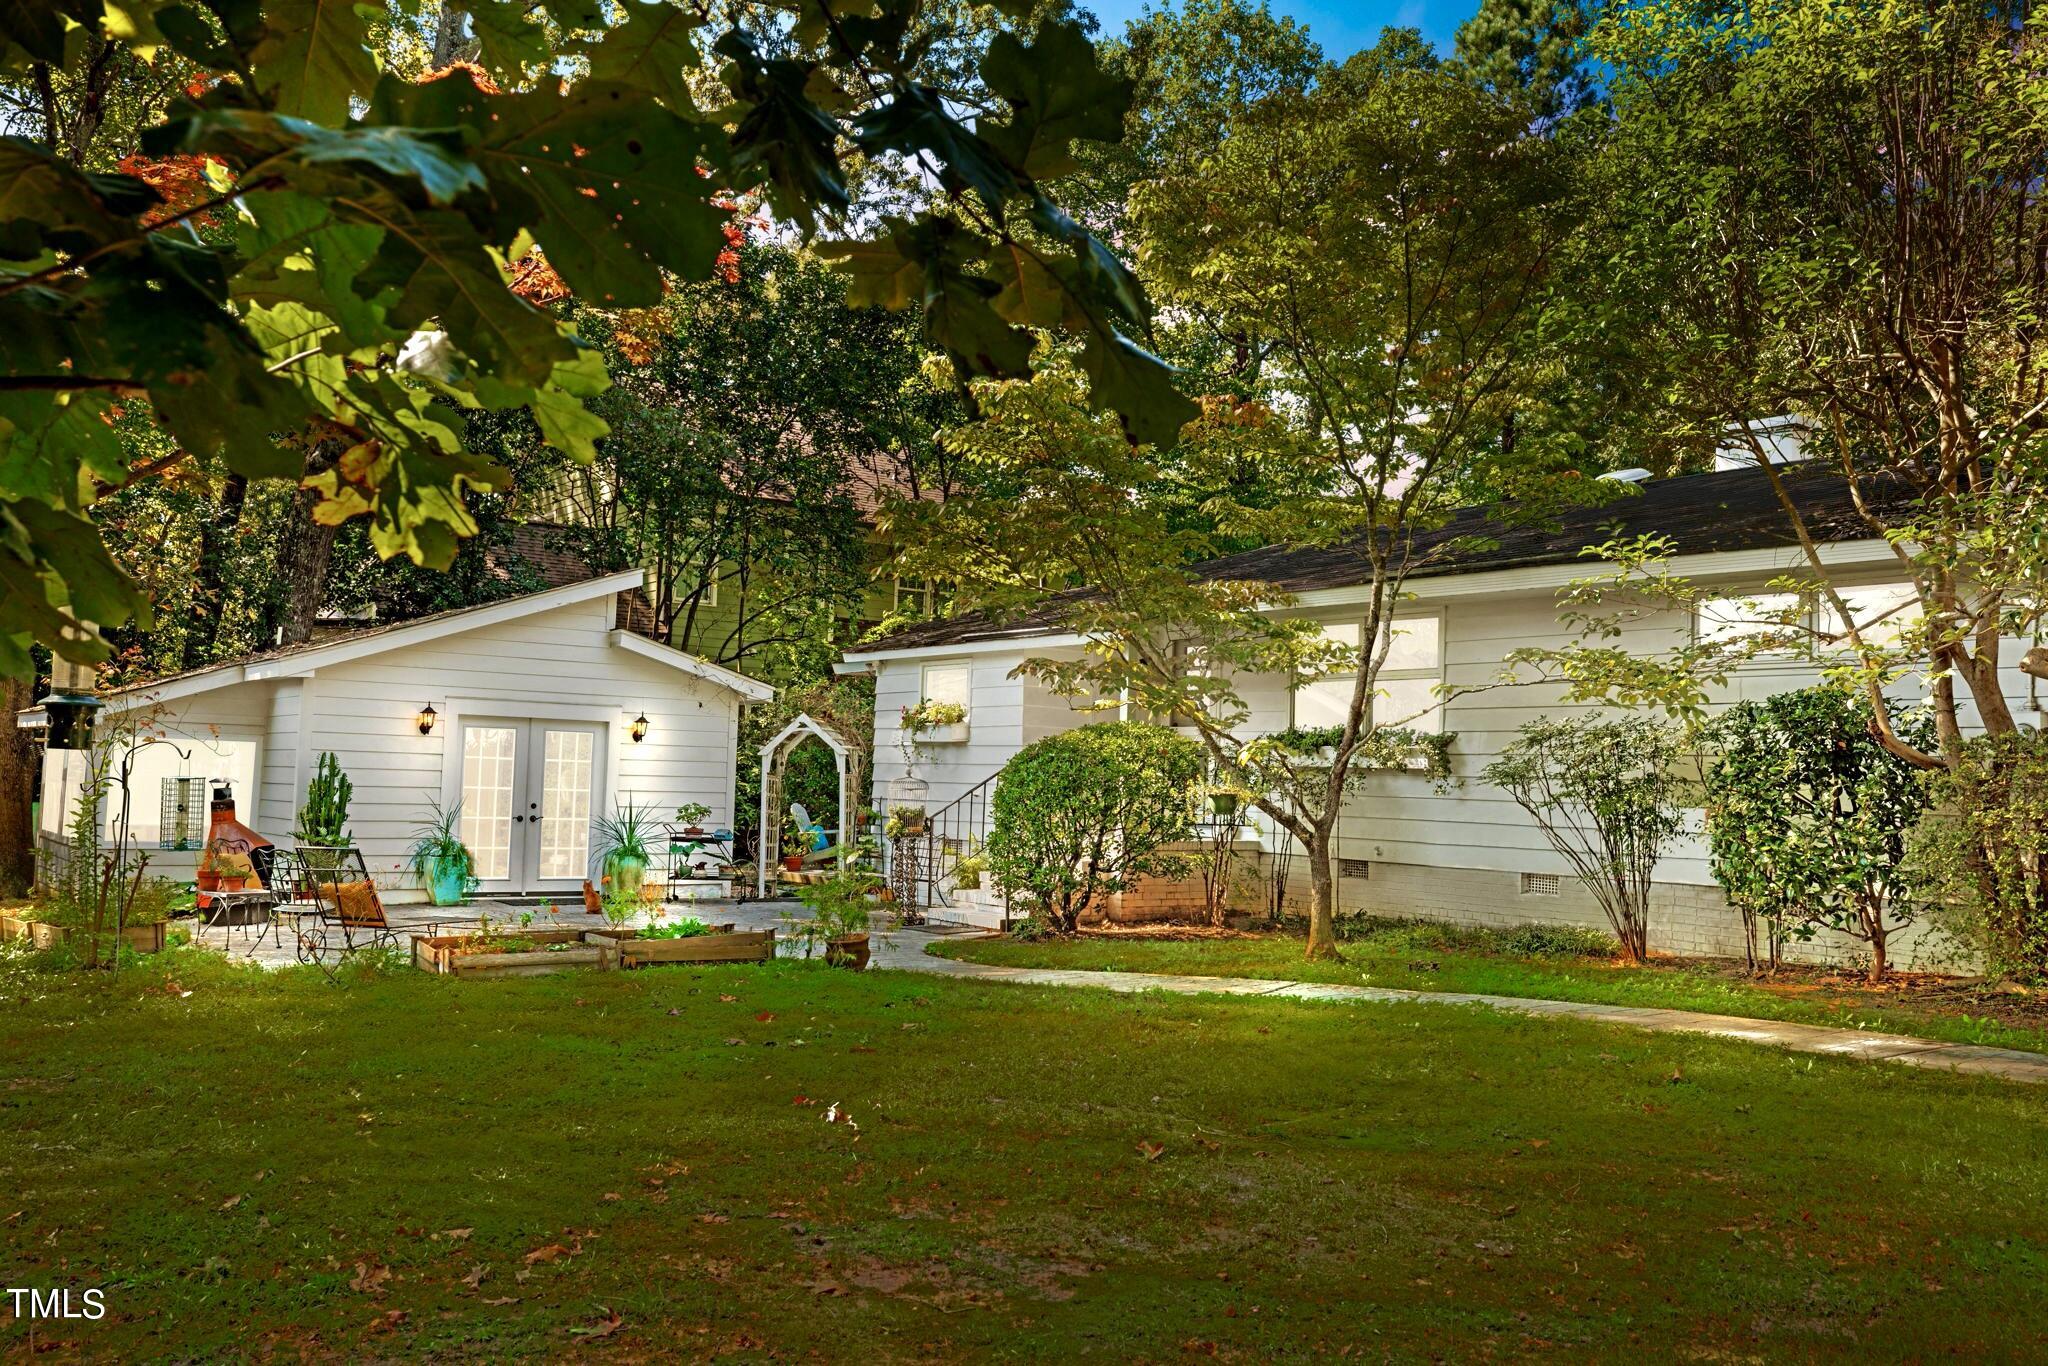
{"x": 1699, "y": 513}
{"x": 293, "y": 661}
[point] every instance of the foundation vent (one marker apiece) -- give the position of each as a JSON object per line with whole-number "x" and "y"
{"x": 1354, "y": 867}
{"x": 1539, "y": 884}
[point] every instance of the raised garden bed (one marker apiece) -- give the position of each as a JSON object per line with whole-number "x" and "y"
{"x": 514, "y": 953}
{"x": 44, "y": 935}
{"x": 526, "y": 953}
{"x": 631, "y": 951}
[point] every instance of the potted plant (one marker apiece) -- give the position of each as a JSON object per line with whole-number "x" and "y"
{"x": 323, "y": 820}
{"x": 440, "y": 860}
{"x": 621, "y": 847}
{"x": 207, "y": 875}
{"x": 689, "y": 814}
{"x": 839, "y": 908}
{"x": 904, "y": 821}
{"x": 793, "y": 842}
{"x": 1224, "y": 804}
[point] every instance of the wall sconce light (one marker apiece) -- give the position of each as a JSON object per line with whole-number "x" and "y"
{"x": 639, "y": 728}
{"x": 427, "y": 718}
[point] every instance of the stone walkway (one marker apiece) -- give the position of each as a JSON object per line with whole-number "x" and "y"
{"x": 905, "y": 949}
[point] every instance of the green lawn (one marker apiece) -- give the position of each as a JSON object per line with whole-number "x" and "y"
{"x": 640, "y": 1163}
{"x": 1425, "y": 957}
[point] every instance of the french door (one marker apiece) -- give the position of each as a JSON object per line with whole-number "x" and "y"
{"x": 529, "y": 789}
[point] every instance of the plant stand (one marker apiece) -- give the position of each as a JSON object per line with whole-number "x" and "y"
{"x": 906, "y": 876}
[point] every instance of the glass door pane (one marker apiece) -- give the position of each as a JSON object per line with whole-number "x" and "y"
{"x": 490, "y": 755}
{"x": 567, "y": 763}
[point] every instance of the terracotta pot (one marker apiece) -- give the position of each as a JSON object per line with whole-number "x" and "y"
{"x": 848, "y": 951}
{"x": 693, "y": 830}
{"x": 232, "y": 883}
{"x": 793, "y": 862}
{"x": 208, "y": 882}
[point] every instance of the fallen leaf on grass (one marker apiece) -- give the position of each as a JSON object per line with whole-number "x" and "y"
{"x": 727, "y": 999}
{"x": 455, "y": 1235}
{"x": 765, "y": 1016}
{"x": 392, "y": 1319}
{"x": 1153, "y": 1151}
{"x": 369, "y": 1278}
{"x": 553, "y": 1252}
{"x": 507, "y": 1299}
{"x": 713, "y": 1219}
{"x": 803, "y": 1100}
{"x": 860, "y": 1048}
{"x": 478, "y": 1274}
{"x": 735, "y": 1043}
{"x": 673, "y": 1011}
{"x": 604, "y": 1329}
{"x": 231, "y": 1202}
{"x": 611, "y": 1195}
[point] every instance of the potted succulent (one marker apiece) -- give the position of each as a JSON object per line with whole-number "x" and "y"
{"x": 689, "y": 814}
{"x": 839, "y": 908}
{"x": 621, "y": 847}
{"x": 207, "y": 875}
{"x": 439, "y": 858}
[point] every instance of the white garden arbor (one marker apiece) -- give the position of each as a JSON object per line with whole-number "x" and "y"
{"x": 774, "y": 758}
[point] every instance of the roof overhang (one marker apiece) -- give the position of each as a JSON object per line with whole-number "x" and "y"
{"x": 753, "y": 689}
{"x": 1717, "y": 565}
{"x": 302, "y": 663}
{"x": 1036, "y": 640}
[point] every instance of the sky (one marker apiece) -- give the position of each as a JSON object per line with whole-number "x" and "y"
{"x": 1340, "y": 28}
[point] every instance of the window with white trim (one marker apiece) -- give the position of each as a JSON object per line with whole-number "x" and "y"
{"x": 913, "y": 596}
{"x": 1732, "y": 618}
{"x": 1407, "y": 683}
{"x": 947, "y": 683}
{"x": 1883, "y": 613}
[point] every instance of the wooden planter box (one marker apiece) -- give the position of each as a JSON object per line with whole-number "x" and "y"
{"x": 141, "y": 938}
{"x": 630, "y": 951}
{"x": 447, "y": 954}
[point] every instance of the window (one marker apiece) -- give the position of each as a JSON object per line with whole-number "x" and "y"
{"x": 1540, "y": 884}
{"x": 947, "y": 683}
{"x": 1736, "y": 617}
{"x": 1407, "y": 681}
{"x": 913, "y": 596}
{"x": 1883, "y": 612}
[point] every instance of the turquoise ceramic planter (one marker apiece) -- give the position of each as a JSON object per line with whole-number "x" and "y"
{"x": 445, "y": 883}
{"x": 626, "y": 873}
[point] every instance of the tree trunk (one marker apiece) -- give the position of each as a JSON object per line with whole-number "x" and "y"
{"x": 209, "y": 577}
{"x": 1322, "y": 906}
{"x": 308, "y": 551}
{"x": 17, "y": 791}
{"x": 452, "y": 39}
{"x": 1873, "y": 929}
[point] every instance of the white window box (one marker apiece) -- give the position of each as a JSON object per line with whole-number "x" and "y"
{"x": 955, "y": 734}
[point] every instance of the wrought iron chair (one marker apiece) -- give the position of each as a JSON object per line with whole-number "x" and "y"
{"x": 334, "y": 902}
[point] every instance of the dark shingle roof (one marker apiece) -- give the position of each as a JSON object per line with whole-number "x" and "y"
{"x": 1699, "y": 513}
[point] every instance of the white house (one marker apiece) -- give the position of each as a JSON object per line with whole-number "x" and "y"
{"x": 536, "y": 703}
{"x": 1470, "y": 854}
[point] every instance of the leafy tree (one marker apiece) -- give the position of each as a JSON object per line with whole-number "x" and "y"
{"x": 1981, "y": 858}
{"x": 1387, "y": 233}
{"x": 1533, "y": 46}
{"x": 1084, "y": 813}
{"x": 1836, "y": 213}
{"x": 1808, "y": 818}
{"x": 1608, "y": 795}
{"x": 359, "y": 293}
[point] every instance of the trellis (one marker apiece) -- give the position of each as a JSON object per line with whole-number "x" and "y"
{"x": 774, "y": 758}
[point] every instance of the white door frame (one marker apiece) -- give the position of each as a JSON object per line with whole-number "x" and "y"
{"x": 527, "y": 780}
